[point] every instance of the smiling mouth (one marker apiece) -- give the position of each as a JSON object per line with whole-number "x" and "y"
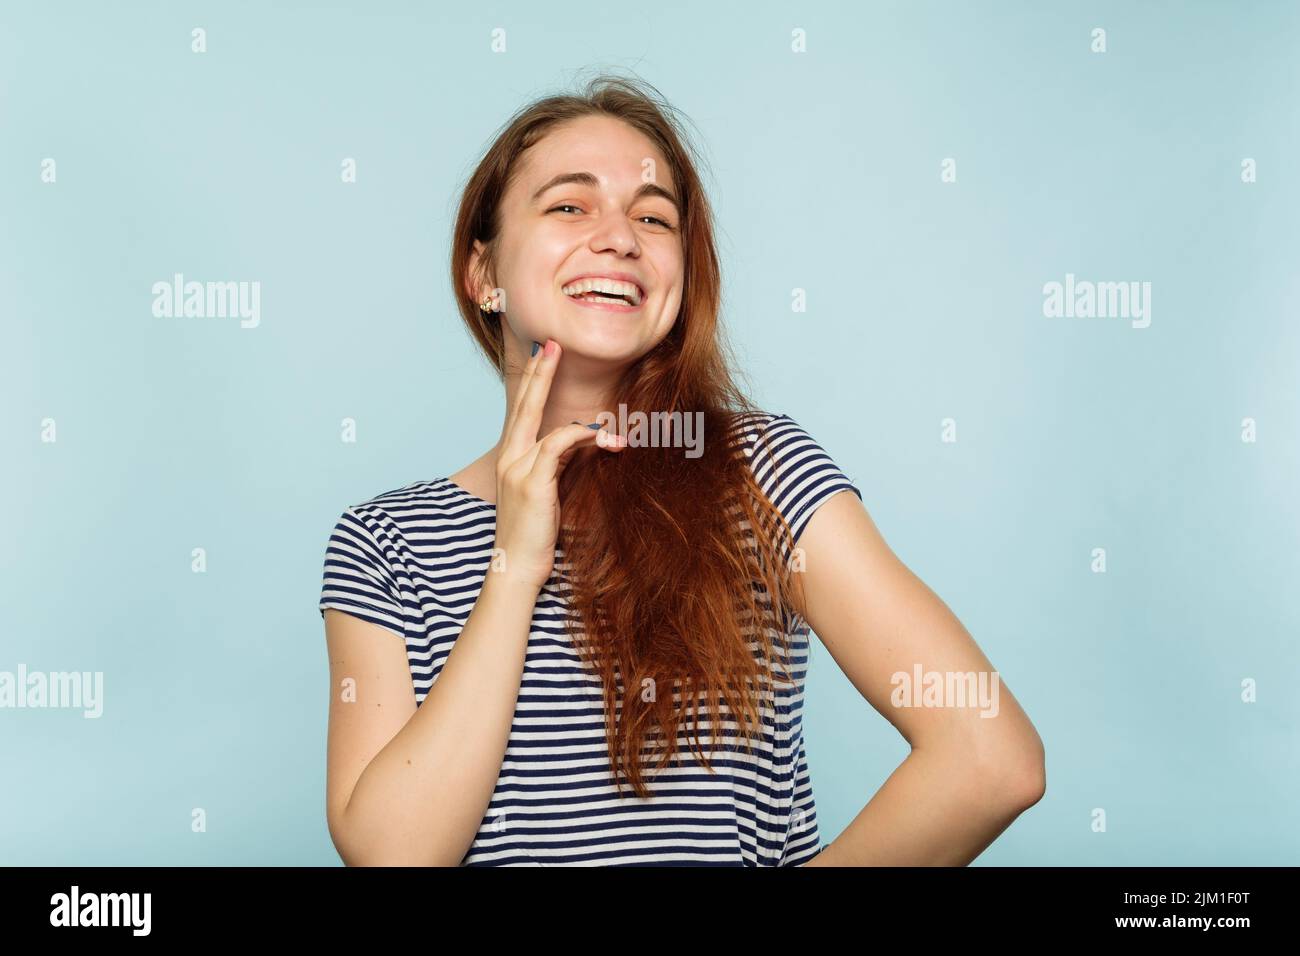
{"x": 598, "y": 289}
{"x": 606, "y": 301}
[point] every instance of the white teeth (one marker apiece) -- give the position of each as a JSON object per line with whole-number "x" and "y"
{"x": 628, "y": 290}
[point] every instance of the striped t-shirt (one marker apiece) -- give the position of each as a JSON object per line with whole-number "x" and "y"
{"x": 413, "y": 561}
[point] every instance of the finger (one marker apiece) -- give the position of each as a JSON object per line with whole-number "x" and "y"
{"x": 610, "y": 441}
{"x": 602, "y": 439}
{"x": 546, "y": 453}
{"x": 527, "y": 463}
{"x": 529, "y": 367}
{"x": 528, "y": 417}
{"x": 607, "y": 440}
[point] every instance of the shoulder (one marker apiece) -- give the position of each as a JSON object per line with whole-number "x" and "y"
{"x": 388, "y": 515}
{"x": 385, "y": 509}
{"x": 748, "y": 425}
{"x": 396, "y": 498}
{"x": 772, "y": 440}
{"x": 366, "y": 568}
{"x": 794, "y": 469}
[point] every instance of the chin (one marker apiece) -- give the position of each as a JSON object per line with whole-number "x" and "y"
{"x": 602, "y": 345}
{"x": 601, "y": 334}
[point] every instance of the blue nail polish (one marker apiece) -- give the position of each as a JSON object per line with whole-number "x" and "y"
{"x": 595, "y": 426}
{"x": 536, "y": 346}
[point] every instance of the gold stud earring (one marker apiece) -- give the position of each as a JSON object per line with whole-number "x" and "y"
{"x": 487, "y": 305}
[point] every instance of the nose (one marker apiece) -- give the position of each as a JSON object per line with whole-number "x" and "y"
{"x": 613, "y": 231}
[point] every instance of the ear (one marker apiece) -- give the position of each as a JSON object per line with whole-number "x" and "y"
{"x": 472, "y": 278}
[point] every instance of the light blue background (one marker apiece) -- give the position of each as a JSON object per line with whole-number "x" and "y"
{"x": 925, "y": 302}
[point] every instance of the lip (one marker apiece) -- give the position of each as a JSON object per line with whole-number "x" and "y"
{"x": 612, "y": 305}
{"x": 620, "y": 276}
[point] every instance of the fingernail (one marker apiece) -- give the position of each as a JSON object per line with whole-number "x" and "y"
{"x": 593, "y": 425}
{"x": 536, "y": 346}
{"x": 550, "y": 348}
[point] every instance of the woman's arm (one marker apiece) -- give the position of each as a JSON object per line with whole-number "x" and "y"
{"x": 968, "y": 776}
{"x": 408, "y": 786}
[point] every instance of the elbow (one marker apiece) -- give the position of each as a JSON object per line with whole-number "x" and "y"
{"x": 401, "y": 856}
{"x": 349, "y": 850}
{"x": 1030, "y": 786}
{"x": 366, "y": 849}
{"x": 352, "y": 850}
{"x": 1018, "y": 776}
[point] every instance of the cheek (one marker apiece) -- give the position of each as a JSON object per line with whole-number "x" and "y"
{"x": 535, "y": 258}
{"x": 673, "y": 305}
{"x": 669, "y": 263}
{"x": 668, "y": 315}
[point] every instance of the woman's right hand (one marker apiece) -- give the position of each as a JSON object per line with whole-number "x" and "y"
{"x": 528, "y": 471}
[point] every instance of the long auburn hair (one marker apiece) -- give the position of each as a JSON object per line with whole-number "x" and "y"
{"x": 679, "y": 570}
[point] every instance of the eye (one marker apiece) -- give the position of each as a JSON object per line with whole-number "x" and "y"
{"x": 569, "y": 205}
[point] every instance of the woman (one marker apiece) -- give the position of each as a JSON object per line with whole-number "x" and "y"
{"x": 600, "y": 660}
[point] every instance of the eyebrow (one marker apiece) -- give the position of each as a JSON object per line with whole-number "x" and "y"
{"x": 587, "y": 179}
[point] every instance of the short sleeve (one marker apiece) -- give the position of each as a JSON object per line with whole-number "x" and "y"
{"x": 358, "y": 578}
{"x": 795, "y": 472}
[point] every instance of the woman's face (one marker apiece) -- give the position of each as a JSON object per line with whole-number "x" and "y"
{"x": 615, "y": 214}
